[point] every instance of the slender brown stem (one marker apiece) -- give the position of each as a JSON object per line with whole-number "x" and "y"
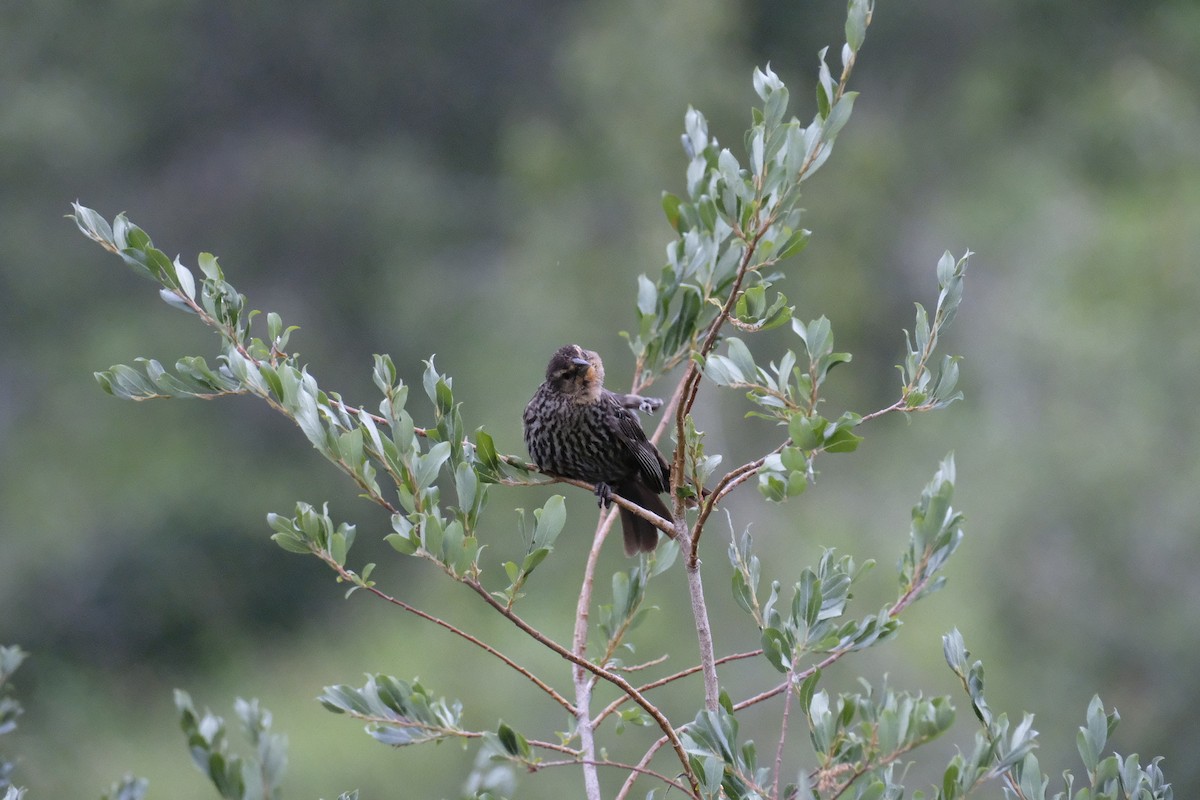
{"x": 691, "y": 378}
{"x": 654, "y": 662}
{"x": 487, "y": 648}
{"x": 730, "y": 481}
{"x": 634, "y": 769}
{"x": 783, "y": 726}
{"x": 600, "y": 672}
{"x": 620, "y": 701}
{"x": 436, "y": 731}
{"x": 628, "y": 785}
{"x": 654, "y": 519}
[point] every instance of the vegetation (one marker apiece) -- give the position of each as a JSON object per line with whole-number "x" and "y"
{"x": 753, "y": 337}
{"x": 736, "y": 228}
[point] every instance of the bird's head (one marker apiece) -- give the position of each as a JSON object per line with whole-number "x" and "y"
{"x": 577, "y": 373}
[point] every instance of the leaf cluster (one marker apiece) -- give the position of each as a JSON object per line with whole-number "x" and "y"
{"x": 739, "y": 220}
{"x": 1009, "y": 754}
{"x": 398, "y": 713}
{"x": 11, "y": 658}
{"x": 259, "y": 775}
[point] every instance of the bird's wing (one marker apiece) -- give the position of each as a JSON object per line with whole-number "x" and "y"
{"x": 650, "y": 462}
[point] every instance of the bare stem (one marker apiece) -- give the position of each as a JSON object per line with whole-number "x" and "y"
{"x": 487, "y": 648}
{"x": 628, "y": 785}
{"x": 581, "y": 677}
{"x": 783, "y": 726}
{"x": 703, "y": 634}
{"x": 620, "y": 701}
{"x": 654, "y": 519}
{"x": 633, "y": 769}
{"x": 599, "y": 671}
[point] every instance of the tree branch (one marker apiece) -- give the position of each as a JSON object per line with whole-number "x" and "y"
{"x": 663, "y": 723}
{"x": 635, "y": 769}
{"x": 581, "y": 678}
{"x": 628, "y": 785}
{"x": 349, "y": 577}
{"x": 712, "y": 687}
{"x": 620, "y": 701}
{"x": 783, "y": 726}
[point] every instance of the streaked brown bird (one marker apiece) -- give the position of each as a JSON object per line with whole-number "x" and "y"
{"x": 575, "y": 428}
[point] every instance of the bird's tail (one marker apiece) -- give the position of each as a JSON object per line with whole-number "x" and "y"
{"x": 640, "y": 535}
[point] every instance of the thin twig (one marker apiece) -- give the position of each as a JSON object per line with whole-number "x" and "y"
{"x": 620, "y": 701}
{"x": 435, "y": 731}
{"x": 760, "y": 697}
{"x": 646, "y": 759}
{"x": 654, "y": 519}
{"x": 690, "y": 383}
{"x": 632, "y": 768}
{"x": 599, "y": 671}
{"x": 872, "y": 766}
{"x": 654, "y": 662}
{"x": 581, "y": 677}
{"x": 730, "y": 481}
{"x": 783, "y": 726}
{"x": 347, "y": 576}
{"x": 712, "y": 687}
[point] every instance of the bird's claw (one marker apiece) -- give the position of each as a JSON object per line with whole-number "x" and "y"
{"x": 604, "y": 494}
{"x": 650, "y": 404}
{"x": 638, "y": 403}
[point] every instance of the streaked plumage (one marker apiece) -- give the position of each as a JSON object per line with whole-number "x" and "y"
{"x": 575, "y": 428}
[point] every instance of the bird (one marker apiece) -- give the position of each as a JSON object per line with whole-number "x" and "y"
{"x": 575, "y": 428}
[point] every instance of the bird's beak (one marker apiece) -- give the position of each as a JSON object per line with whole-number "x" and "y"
{"x": 582, "y": 362}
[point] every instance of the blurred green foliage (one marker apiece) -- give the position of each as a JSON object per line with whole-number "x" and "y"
{"x": 480, "y": 181}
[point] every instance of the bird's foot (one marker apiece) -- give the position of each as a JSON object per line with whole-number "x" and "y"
{"x": 650, "y": 404}
{"x": 639, "y": 403}
{"x": 604, "y": 495}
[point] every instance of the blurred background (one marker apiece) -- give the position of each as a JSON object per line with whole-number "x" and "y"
{"x": 482, "y": 181}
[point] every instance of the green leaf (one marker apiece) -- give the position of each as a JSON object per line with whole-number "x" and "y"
{"x": 647, "y": 296}
{"x": 175, "y": 301}
{"x": 772, "y": 487}
{"x": 857, "y": 17}
{"x": 426, "y": 467}
{"x": 807, "y": 687}
{"x": 533, "y": 558}
{"x": 740, "y": 355}
{"x": 514, "y": 743}
{"x": 292, "y": 543}
{"x": 209, "y": 266}
{"x": 945, "y": 268}
{"x": 722, "y": 371}
{"x": 405, "y": 544}
{"x": 550, "y": 521}
{"x": 92, "y": 224}
{"x": 838, "y": 117}
{"x": 955, "y": 651}
{"x": 807, "y": 432}
{"x": 842, "y": 440}
{"x": 777, "y": 648}
{"x": 795, "y": 243}
{"x": 465, "y": 485}
{"x": 671, "y": 205}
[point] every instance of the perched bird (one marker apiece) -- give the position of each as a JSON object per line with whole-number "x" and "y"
{"x": 575, "y": 428}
